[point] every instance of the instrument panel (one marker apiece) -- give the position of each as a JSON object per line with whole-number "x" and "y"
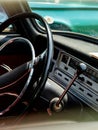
{"x": 85, "y": 88}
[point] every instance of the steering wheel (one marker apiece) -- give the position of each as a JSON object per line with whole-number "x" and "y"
{"x": 10, "y": 78}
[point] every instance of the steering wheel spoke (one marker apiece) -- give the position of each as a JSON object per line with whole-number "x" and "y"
{"x": 40, "y": 58}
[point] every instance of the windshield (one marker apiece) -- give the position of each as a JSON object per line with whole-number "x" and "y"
{"x": 63, "y": 1}
{"x": 80, "y": 16}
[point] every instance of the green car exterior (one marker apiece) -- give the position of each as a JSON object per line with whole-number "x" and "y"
{"x": 64, "y": 16}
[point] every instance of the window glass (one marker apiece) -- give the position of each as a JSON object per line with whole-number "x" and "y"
{"x": 80, "y": 16}
{"x": 3, "y": 15}
{"x": 63, "y": 1}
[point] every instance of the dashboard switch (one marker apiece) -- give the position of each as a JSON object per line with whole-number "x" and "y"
{"x": 81, "y": 78}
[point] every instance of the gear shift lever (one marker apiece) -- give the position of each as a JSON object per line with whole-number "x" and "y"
{"x": 56, "y": 103}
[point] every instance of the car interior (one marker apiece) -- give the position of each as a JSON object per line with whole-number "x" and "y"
{"x": 48, "y": 79}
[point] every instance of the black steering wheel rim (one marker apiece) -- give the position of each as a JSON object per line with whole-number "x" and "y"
{"x": 49, "y": 54}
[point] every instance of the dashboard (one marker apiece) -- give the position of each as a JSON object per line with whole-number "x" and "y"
{"x": 69, "y": 52}
{"x": 65, "y": 63}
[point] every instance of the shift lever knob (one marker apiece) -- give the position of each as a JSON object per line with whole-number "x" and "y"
{"x": 81, "y": 68}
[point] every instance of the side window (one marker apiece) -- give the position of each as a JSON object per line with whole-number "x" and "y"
{"x": 3, "y": 17}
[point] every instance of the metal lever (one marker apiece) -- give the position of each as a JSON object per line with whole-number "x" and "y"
{"x": 80, "y": 69}
{"x": 56, "y": 103}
